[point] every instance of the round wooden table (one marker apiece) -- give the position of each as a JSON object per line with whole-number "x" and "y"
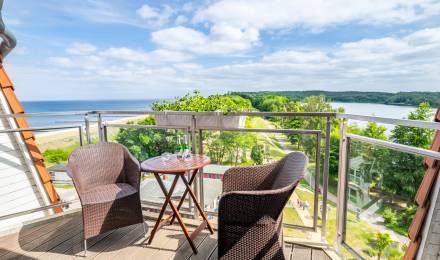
{"x": 177, "y": 167}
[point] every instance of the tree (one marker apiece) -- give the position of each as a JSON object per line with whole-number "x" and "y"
{"x": 403, "y": 172}
{"x": 146, "y": 143}
{"x": 382, "y": 243}
{"x": 315, "y": 104}
{"x": 375, "y": 131}
{"x": 229, "y": 147}
{"x": 257, "y": 154}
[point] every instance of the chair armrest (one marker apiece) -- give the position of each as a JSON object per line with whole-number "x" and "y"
{"x": 132, "y": 170}
{"x": 246, "y": 178}
{"x": 247, "y": 207}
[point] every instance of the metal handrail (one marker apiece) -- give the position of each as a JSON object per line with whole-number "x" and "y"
{"x": 396, "y": 146}
{"x": 62, "y": 204}
{"x": 384, "y": 120}
{"x": 214, "y": 113}
{"x": 392, "y": 121}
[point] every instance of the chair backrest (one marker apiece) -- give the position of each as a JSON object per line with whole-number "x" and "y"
{"x": 290, "y": 170}
{"x": 97, "y": 164}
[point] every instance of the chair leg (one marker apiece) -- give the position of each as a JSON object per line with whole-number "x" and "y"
{"x": 85, "y": 247}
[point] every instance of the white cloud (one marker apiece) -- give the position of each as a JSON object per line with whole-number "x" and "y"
{"x": 63, "y": 62}
{"x": 222, "y": 39}
{"x": 277, "y": 14}
{"x": 154, "y": 16}
{"x": 126, "y": 54}
{"x": 162, "y": 56}
{"x": 189, "y": 67}
{"x": 406, "y": 63}
{"x": 181, "y": 19}
{"x": 188, "y": 7}
{"x": 296, "y": 57}
{"x": 80, "y": 48}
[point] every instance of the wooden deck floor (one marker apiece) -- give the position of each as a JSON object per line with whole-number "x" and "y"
{"x": 62, "y": 239}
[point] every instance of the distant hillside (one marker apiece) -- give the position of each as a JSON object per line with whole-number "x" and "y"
{"x": 399, "y": 98}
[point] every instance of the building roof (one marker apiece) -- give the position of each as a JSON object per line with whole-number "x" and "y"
{"x": 29, "y": 139}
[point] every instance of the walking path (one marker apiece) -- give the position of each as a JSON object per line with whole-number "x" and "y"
{"x": 305, "y": 217}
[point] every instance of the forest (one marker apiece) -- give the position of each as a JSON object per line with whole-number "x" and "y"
{"x": 399, "y": 98}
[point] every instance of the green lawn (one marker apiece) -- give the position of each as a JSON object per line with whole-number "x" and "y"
{"x": 268, "y": 140}
{"x": 291, "y": 216}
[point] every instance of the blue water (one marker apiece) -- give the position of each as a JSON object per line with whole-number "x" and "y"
{"x": 136, "y": 105}
{"x": 89, "y": 105}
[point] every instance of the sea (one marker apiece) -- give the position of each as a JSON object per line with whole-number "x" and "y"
{"x": 79, "y": 105}
{"x": 369, "y": 109}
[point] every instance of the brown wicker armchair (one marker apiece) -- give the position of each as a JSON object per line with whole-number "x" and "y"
{"x": 107, "y": 179}
{"x": 250, "y": 209}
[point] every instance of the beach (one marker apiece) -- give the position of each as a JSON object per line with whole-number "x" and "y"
{"x": 69, "y": 137}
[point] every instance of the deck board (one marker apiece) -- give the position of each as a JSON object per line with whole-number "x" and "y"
{"x": 63, "y": 239}
{"x": 301, "y": 253}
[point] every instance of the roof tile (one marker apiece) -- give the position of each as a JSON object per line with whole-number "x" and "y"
{"x": 416, "y": 225}
{"x": 411, "y": 251}
{"x": 33, "y": 149}
{"x": 44, "y": 173}
{"x": 435, "y": 146}
{"x": 22, "y": 123}
{"x": 5, "y": 81}
{"x": 424, "y": 190}
{"x": 14, "y": 104}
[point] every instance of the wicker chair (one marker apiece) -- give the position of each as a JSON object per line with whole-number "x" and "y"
{"x": 250, "y": 208}
{"x": 107, "y": 179}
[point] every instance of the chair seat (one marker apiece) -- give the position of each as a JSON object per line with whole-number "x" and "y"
{"x": 107, "y": 193}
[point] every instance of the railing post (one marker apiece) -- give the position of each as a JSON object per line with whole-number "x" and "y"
{"x": 194, "y": 150}
{"x": 87, "y": 126}
{"x": 202, "y": 189}
{"x": 188, "y": 136}
{"x": 104, "y": 132}
{"x": 81, "y": 141}
{"x": 325, "y": 179}
{"x": 100, "y": 130}
{"x": 342, "y": 185}
{"x": 317, "y": 181}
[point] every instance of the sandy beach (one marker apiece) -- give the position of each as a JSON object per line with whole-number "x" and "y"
{"x": 69, "y": 137}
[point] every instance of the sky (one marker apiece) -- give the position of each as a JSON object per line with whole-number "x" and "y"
{"x": 138, "y": 49}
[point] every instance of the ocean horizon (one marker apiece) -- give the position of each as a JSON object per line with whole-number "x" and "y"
{"x": 79, "y": 105}
{"x": 391, "y": 111}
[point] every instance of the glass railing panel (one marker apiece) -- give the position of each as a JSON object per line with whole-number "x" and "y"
{"x": 381, "y": 187}
{"x": 145, "y": 143}
{"x": 240, "y": 148}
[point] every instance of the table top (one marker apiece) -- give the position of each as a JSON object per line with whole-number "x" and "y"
{"x": 175, "y": 165}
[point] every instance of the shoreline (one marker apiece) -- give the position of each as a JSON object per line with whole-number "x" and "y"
{"x": 67, "y": 137}
{"x": 92, "y": 125}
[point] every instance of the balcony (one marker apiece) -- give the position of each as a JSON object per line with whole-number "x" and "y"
{"x": 62, "y": 239}
{"x": 326, "y": 218}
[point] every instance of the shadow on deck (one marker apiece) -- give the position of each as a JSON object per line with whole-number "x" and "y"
{"x": 61, "y": 238}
